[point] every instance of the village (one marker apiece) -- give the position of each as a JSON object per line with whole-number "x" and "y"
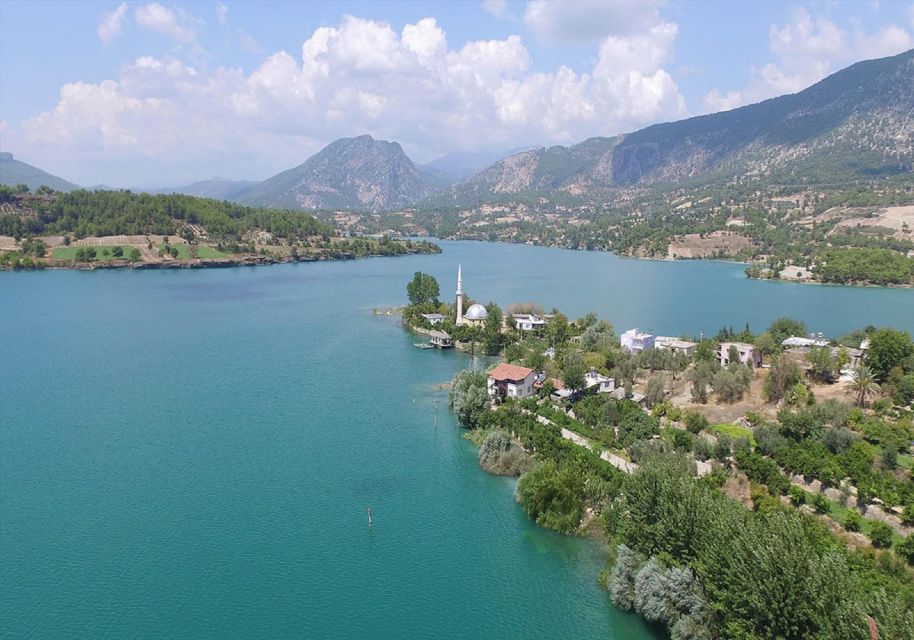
{"x": 781, "y": 419}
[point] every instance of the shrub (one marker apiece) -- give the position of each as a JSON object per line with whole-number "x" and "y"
{"x": 821, "y": 503}
{"x": 853, "y": 521}
{"x": 881, "y": 534}
{"x": 695, "y": 422}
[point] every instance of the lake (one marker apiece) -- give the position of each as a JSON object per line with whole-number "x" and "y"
{"x": 190, "y": 454}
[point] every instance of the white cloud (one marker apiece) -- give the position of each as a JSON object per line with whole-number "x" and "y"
{"x": 588, "y": 21}
{"x": 498, "y": 8}
{"x": 358, "y": 76}
{"x": 177, "y": 26}
{"x": 806, "y": 50}
{"x": 111, "y": 24}
{"x": 248, "y": 42}
{"x": 222, "y": 13}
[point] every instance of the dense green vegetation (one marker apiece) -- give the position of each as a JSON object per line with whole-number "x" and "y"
{"x": 876, "y": 266}
{"x": 106, "y": 213}
{"x": 688, "y": 555}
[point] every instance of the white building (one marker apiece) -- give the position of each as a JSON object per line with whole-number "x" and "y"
{"x": 601, "y": 383}
{"x": 685, "y": 347}
{"x": 476, "y": 315}
{"x": 796, "y": 341}
{"x": 746, "y": 353}
{"x": 433, "y": 318}
{"x": 634, "y": 341}
{"x": 511, "y": 381}
{"x": 528, "y": 322}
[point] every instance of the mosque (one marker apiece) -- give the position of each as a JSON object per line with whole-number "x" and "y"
{"x": 476, "y": 315}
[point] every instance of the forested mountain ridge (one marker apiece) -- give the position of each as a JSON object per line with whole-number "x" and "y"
{"x": 351, "y": 173}
{"x": 108, "y": 213}
{"x": 855, "y": 123}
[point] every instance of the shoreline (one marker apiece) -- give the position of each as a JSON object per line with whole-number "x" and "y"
{"x": 249, "y": 260}
{"x": 667, "y": 259}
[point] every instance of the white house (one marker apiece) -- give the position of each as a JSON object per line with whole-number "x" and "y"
{"x": 528, "y": 322}
{"x": 796, "y": 341}
{"x": 433, "y": 318}
{"x": 685, "y": 347}
{"x": 511, "y": 381}
{"x": 602, "y": 384}
{"x": 746, "y": 353}
{"x": 634, "y": 341}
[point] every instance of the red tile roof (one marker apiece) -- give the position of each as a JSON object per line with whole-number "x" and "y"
{"x": 512, "y": 372}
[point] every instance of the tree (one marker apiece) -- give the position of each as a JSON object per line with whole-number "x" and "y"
{"x": 574, "y": 371}
{"x": 696, "y": 422}
{"x": 864, "y": 385}
{"x": 557, "y": 330}
{"x": 853, "y": 521}
{"x": 783, "y": 375}
{"x": 492, "y": 337}
{"x": 622, "y": 578}
{"x": 551, "y": 494}
{"x": 784, "y": 328}
{"x": 822, "y": 365}
{"x": 880, "y": 534}
{"x": 654, "y": 391}
{"x": 889, "y": 348}
{"x": 422, "y": 289}
{"x": 906, "y": 549}
{"x": 469, "y": 398}
{"x": 133, "y": 254}
{"x": 117, "y": 252}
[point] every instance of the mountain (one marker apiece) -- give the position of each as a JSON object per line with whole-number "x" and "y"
{"x": 352, "y": 173}
{"x": 858, "y": 122}
{"x": 460, "y": 165}
{"x": 13, "y": 172}
{"x": 217, "y": 188}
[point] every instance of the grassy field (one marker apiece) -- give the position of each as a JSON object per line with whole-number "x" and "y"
{"x": 204, "y": 252}
{"x": 69, "y": 253}
{"x": 734, "y": 431}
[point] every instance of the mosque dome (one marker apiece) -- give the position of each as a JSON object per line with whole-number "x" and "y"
{"x": 476, "y": 312}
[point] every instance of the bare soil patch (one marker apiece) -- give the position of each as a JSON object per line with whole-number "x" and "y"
{"x": 693, "y": 245}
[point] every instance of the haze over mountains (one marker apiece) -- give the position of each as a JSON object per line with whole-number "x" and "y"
{"x": 858, "y": 122}
{"x": 13, "y": 172}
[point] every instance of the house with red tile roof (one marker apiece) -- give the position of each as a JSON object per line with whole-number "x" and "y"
{"x": 511, "y": 381}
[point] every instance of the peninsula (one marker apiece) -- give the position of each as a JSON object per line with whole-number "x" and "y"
{"x": 119, "y": 229}
{"x": 724, "y": 472}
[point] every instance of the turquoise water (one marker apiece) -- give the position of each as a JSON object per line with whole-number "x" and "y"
{"x": 190, "y": 454}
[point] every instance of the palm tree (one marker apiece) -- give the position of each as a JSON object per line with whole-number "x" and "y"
{"x": 864, "y": 384}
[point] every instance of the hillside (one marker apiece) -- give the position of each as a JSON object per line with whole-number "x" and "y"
{"x": 13, "y": 172}
{"x": 457, "y": 166}
{"x": 854, "y": 123}
{"x": 218, "y": 188}
{"x": 351, "y": 173}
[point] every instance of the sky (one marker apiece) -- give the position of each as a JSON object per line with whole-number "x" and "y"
{"x": 166, "y": 93}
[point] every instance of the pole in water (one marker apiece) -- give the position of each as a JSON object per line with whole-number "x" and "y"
{"x": 370, "y": 523}
{"x": 436, "y": 413}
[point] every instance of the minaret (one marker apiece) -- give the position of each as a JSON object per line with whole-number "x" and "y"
{"x": 459, "y": 295}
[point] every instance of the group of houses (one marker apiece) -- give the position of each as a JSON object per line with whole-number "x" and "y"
{"x": 514, "y": 381}
{"x": 476, "y": 316}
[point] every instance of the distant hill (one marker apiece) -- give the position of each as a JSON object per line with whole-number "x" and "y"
{"x": 352, "y": 173}
{"x": 217, "y": 188}
{"x": 460, "y": 165}
{"x": 858, "y": 122}
{"x": 13, "y": 172}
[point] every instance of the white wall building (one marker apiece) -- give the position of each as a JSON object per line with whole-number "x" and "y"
{"x": 634, "y": 341}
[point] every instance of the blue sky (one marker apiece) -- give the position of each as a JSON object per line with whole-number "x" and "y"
{"x": 162, "y": 93}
